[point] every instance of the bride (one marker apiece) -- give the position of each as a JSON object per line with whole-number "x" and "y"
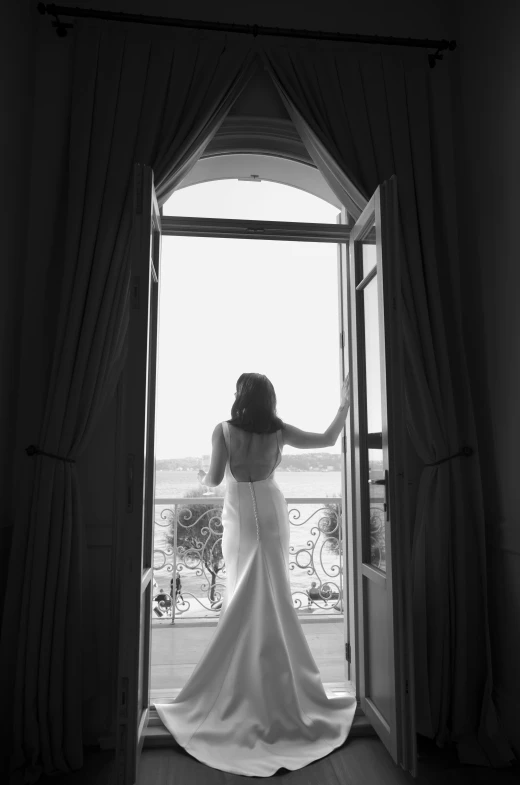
{"x": 255, "y": 702}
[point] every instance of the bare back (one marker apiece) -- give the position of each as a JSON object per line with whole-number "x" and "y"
{"x": 252, "y": 456}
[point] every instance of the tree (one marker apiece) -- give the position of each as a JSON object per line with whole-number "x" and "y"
{"x": 199, "y": 538}
{"x": 330, "y": 525}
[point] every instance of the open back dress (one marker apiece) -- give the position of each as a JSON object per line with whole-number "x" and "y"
{"x": 255, "y": 702}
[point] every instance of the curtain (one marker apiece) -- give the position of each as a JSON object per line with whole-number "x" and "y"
{"x": 376, "y": 113}
{"x": 157, "y": 97}
{"x": 154, "y": 97}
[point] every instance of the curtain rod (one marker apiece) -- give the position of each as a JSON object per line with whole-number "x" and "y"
{"x": 116, "y": 16}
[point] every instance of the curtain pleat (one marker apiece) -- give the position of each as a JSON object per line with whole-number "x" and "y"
{"x": 373, "y": 112}
{"x": 137, "y": 96}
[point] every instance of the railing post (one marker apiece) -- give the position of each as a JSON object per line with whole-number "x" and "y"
{"x": 341, "y": 544}
{"x": 174, "y": 589}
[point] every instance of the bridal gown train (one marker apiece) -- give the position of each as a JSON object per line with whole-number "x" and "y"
{"x": 255, "y": 702}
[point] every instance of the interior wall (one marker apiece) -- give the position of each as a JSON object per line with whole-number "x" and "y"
{"x": 259, "y": 99}
{"x": 487, "y": 133}
{"x": 425, "y": 19}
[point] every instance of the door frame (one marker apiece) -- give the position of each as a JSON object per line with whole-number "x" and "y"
{"x": 305, "y": 232}
{"x": 289, "y": 231}
{"x": 135, "y": 500}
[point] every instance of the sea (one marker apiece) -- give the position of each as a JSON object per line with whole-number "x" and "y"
{"x": 312, "y": 559}
{"x": 175, "y": 483}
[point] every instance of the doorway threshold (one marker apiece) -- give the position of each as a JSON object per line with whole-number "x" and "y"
{"x": 156, "y": 735}
{"x": 334, "y": 689}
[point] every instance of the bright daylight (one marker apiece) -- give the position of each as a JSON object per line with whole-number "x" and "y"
{"x": 230, "y": 306}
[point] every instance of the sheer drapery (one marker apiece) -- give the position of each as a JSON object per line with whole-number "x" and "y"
{"x": 135, "y": 95}
{"x": 374, "y": 113}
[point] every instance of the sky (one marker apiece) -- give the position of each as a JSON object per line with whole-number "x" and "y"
{"x": 231, "y": 306}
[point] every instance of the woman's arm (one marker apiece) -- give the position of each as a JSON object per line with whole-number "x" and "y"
{"x": 305, "y": 440}
{"x": 217, "y": 465}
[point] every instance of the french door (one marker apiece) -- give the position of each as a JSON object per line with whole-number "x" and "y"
{"x": 377, "y": 535}
{"x": 378, "y": 622}
{"x": 138, "y": 492}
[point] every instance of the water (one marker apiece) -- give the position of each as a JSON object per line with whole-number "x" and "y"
{"x": 171, "y": 483}
{"x": 305, "y": 535}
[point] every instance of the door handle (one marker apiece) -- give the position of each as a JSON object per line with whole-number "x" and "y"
{"x": 375, "y": 441}
{"x": 385, "y": 483}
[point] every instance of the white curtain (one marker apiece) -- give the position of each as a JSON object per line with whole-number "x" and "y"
{"x": 372, "y": 113}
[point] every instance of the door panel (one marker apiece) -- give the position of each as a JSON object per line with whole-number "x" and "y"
{"x": 346, "y": 512}
{"x": 383, "y": 630}
{"x": 138, "y": 426}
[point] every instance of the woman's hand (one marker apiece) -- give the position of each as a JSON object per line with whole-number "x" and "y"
{"x": 345, "y": 392}
{"x": 201, "y": 474}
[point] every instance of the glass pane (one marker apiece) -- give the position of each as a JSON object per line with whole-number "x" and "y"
{"x": 229, "y": 306}
{"x": 261, "y": 201}
{"x": 374, "y": 457}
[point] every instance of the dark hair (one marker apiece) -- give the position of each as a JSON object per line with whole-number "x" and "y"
{"x": 254, "y": 409}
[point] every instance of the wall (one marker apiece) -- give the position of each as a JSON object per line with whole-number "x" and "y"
{"x": 425, "y": 19}
{"x": 260, "y": 99}
{"x": 487, "y": 133}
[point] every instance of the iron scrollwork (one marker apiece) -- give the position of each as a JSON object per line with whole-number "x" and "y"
{"x": 326, "y": 532}
{"x": 190, "y": 548}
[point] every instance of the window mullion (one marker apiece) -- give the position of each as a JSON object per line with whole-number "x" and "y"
{"x": 254, "y": 229}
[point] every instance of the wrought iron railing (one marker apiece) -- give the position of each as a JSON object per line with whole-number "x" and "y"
{"x": 190, "y": 573}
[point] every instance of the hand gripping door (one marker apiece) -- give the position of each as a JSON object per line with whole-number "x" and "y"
{"x": 384, "y": 652}
{"x": 138, "y": 457}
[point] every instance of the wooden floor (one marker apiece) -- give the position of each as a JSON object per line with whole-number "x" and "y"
{"x": 360, "y": 761}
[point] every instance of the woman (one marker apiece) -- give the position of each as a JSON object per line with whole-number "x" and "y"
{"x": 255, "y": 702}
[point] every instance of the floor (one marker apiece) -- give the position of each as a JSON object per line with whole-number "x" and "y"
{"x": 177, "y": 648}
{"x": 361, "y": 761}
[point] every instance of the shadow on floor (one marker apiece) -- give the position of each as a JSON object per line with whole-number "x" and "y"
{"x": 362, "y": 761}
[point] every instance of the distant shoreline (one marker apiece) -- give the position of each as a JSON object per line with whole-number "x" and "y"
{"x": 318, "y": 462}
{"x": 279, "y": 469}
{"x": 303, "y": 462}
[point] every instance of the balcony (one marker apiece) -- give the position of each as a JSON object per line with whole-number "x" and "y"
{"x": 190, "y": 571}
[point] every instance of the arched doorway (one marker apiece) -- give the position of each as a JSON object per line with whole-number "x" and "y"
{"x": 366, "y": 291}
{"x": 317, "y": 212}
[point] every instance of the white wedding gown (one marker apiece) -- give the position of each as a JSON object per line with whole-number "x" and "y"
{"x": 255, "y": 702}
